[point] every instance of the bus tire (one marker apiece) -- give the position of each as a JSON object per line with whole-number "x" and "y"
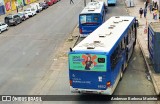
{"x": 121, "y": 75}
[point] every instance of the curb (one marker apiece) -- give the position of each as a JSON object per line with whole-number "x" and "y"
{"x": 75, "y": 42}
{"x": 71, "y": 35}
{"x": 148, "y": 67}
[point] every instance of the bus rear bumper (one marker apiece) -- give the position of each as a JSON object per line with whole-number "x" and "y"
{"x": 83, "y": 35}
{"x": 108, "y": 91}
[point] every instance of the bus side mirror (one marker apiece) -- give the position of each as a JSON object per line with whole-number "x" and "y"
{"x": 137, "y": 23}
{"x": 70, "y": 49}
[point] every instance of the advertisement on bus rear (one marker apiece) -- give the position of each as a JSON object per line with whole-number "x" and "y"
{"x": 87, "y": 62}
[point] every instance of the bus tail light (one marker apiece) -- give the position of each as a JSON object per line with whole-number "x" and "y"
{"x": 108, "y": 84}
{"x": 70, "y": 82}
{"x": 80, "y": 31}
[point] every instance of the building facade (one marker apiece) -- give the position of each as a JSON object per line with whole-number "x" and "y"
{"x": 9, "y": 5}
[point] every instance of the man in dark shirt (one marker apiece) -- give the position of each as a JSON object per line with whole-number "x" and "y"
{"x": 140, "y": 12}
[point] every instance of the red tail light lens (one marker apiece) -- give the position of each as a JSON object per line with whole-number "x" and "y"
{"x": 108, "y": 84}
{"x": 80, "y": 31}
{"x": 70, "y": 82}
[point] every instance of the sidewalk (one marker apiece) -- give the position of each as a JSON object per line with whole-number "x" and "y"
{"x": 19, "y": 10}
{"x": 142, "y": 39}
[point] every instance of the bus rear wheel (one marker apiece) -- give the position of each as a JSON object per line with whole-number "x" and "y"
{"x": 121, "y": 73}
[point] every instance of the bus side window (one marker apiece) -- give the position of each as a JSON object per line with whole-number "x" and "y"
{"x": 126, "y": 40}
{"x": 113, "y": 60}
{"x": 129, "y": 36}
{"x": 133, "y": 30}
{"x": 116, "y": 55}
{"x": 102, "y": 19}
{"x": 123, "y": 44}
{"x": 132, "y": 27}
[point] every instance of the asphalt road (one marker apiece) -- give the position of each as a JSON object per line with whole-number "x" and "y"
{"x": 26, "y": 50}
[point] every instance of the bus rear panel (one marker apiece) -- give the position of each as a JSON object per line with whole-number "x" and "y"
{"x": 88, "y": 23}
{"x": 88, "y": 73}
{"x": 91, "y": 17}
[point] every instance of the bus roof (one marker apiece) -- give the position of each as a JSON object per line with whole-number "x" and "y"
{"x": 93, "y": 7}
{"x": 106, "y": 36}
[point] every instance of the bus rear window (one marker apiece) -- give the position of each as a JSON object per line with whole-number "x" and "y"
{"x": 87, "y": 62}
{"x": 90, "y": 19}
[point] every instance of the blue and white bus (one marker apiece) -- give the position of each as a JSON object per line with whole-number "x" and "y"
{"x": 91, "y": 17}
{"x": 97, "y": 63}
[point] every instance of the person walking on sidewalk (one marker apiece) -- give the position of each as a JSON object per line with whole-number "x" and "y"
{"x": 71, "y": 1}
{"x": 140, "y": 12}
{"x": 145, "y": 12}
{"x": 159, "y": 16}
{"x": 150, "y": 8}
{"x": 21, "y": 6}
{"x": 155, "y": 5}
{"x": 146, "y": 4}
{"x": 155, "y": 12}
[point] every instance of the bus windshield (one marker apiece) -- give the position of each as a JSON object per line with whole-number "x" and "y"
{"x": 90, "y": 19}
{"x": 88, "y": 62}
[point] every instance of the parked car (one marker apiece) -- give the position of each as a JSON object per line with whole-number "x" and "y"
{"x": 25, "y": 14}
{"x": 36, "y": 6}
{"x": 3, "y": 27}
{"x": 55, "y": 1}
{"x": 43, "y": 5}
{"x": 50, "y": 2}
{"x": 30, "y": 11}
{"x": 22, "y": 16}
{"x": 12, "y": 19}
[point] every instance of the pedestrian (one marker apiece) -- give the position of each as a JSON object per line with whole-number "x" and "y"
{"x": 145, "y": 12}
{"x": 21, "y": 6}
{"x": 159, "y": 16}
{"x": 155, "y": 5}
{"x": 17, "y": 9}
{"x": 155, "y": 12}
{"x": 140, "y": 12}
{"x": 150, "y": 8}
{"x": 146, "y": 4}
{"x": 71, "y": 1}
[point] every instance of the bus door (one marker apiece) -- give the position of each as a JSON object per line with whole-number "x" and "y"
{"x": 88, "y": 71}
{"x": 89, "y": 22}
